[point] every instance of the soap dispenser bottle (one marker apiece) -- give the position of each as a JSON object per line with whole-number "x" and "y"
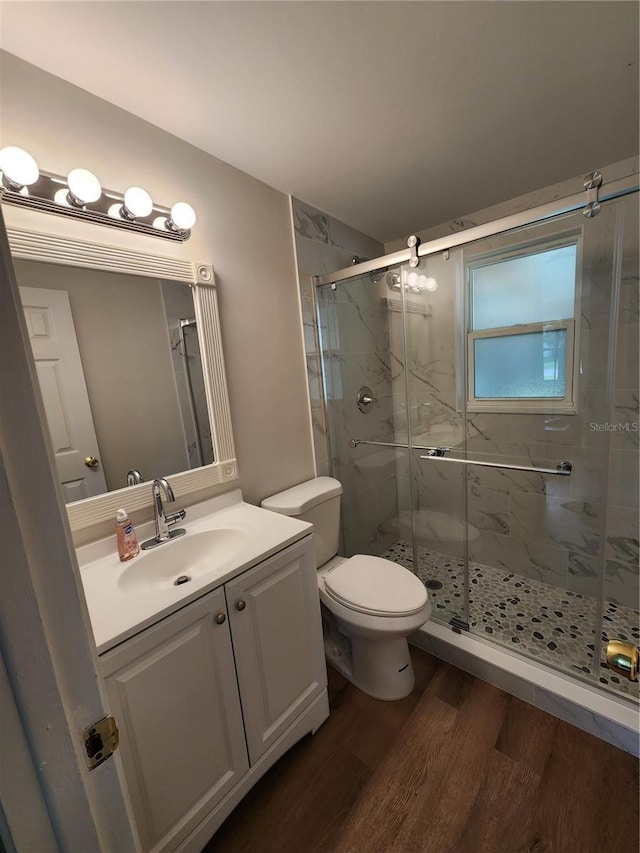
{"x": 127, "y": 540}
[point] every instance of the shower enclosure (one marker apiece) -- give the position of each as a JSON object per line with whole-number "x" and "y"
{"x": 481, "y": 405}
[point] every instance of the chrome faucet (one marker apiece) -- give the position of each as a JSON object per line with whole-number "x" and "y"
{"x": 134, "y": 477}
{"x": 163, "y": 521}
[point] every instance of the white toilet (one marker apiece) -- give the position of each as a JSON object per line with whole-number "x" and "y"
{"x": 369, "y": 605}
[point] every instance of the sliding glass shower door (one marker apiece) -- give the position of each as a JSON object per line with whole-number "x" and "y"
{"x": 511, "y": 377}
{"x": 373, "y": 330}
{"x": 360, "y": 328}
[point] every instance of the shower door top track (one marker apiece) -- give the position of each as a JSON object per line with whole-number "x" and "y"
{"x": 607, "y": 192}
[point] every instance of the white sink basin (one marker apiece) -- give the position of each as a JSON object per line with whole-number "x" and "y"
{"x": 224, "y": 537}
{"x": 192, "y": 556}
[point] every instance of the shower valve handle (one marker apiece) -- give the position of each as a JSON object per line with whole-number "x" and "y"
{"x": 365, "y": 399}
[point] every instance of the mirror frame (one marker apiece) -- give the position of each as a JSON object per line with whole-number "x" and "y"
{"x": 51, "y": 248}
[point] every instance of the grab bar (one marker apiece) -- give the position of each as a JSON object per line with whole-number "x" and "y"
{"x": 354, "y": 442}
{"x": 562, "y": 469}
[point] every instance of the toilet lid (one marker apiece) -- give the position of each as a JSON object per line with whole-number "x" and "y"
{"x": 376, "y": 586}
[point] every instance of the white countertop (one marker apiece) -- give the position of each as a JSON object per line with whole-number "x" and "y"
{"x": 118, "y": 612}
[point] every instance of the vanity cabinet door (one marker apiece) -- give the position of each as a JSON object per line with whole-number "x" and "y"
{"x": 277, "y": 637}
{"x": 174, "y": 694}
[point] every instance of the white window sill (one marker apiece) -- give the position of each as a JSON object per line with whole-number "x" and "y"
{"x": 534, "y": 408}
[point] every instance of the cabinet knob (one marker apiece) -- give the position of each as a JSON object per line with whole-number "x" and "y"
{"x": 220, "y": 618}
{"x": 240, "y": 605}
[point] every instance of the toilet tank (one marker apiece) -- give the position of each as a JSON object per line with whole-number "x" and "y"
{"x": 318, "y": 502}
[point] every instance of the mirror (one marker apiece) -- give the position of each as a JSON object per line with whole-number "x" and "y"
{"x": 141, "y": 411}
{"x": 145, "y": 395}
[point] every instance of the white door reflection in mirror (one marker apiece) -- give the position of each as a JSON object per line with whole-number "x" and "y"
{"x": 64, "y": 392}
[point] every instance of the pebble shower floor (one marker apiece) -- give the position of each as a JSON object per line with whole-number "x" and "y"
{"x": 544, "y": 622}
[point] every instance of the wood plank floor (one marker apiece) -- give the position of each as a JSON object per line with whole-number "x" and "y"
{"x": 456, "y": 767}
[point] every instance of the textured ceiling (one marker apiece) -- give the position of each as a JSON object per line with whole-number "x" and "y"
{"x": 391, "y": 116}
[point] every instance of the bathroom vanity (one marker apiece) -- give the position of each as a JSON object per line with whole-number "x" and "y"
{"x": 211, "y": 679}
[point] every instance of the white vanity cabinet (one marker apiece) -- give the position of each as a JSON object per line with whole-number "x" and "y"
{"x": 209, "y": 697}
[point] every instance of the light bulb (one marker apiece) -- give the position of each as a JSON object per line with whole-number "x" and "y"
{"x": 62, "y": 197}
{"x": 137, "y": 203}
{"x": 84, "y": 187}
{"x": 412, "y": 279}
{"x": 183, "y": 216}
{"x": 431, "y": 284}
{"x": 19, "y": 169}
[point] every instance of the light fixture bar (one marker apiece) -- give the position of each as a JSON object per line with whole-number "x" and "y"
{"x": 41, "y": 195}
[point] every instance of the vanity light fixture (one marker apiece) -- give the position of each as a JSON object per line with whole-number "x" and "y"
{"x": 80, "y": 195}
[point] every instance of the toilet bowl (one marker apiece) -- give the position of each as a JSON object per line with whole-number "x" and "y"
{"x": 369, "y": 605}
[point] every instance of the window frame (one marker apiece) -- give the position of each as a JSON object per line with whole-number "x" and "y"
{"x": 527, "y": 405}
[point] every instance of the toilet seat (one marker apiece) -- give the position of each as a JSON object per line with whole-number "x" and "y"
{"x": 375, "y": 586}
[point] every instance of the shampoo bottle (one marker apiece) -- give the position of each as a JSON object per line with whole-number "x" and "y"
{"x": 127, "y": 541}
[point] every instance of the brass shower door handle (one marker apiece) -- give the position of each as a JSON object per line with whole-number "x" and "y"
{"x": 622, "y": 657}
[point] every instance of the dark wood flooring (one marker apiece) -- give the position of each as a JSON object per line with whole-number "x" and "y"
{"x": 456, "y": 767}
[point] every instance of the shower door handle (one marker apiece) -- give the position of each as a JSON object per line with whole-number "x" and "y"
{"x": 562, "y": 469}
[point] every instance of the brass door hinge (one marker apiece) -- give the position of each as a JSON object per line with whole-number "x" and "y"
{"x": 100, "y": 741}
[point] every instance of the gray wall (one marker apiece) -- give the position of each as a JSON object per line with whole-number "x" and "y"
{"x": 243, "y": 229}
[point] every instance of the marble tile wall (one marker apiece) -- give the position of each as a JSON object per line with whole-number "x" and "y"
{"x": 355, "y": 339}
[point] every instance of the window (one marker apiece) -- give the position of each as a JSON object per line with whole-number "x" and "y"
{"x": 522, "y": 328}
